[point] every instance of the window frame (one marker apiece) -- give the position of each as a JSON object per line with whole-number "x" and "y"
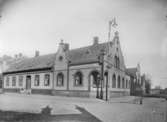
{"x": 7, "y": 81}
{"x": 37, "y": 80}
{"x": 78, "y": 73}
{"x": 114, "y": 84}
{"x": 119, "y": 82}
{"x": 14, "y": 81}
{"x": 21, "y": 77}
{"x": 47, "y": 81}
{"x": 123, "y": 83}
{"x": 126, "y": 83}
{"x": 62, "y": 76}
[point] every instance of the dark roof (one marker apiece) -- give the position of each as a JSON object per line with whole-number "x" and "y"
{"x": 131, "y": 71}
{"x": 86, "y": 54}
{"x": 75, "y": 56}
{"x": 39, "y": 62}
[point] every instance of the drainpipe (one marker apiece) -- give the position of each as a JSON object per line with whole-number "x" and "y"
{"x": 107, "y": 88}
{"x": 68, "y": 75}
{"x": 53, "y": 80}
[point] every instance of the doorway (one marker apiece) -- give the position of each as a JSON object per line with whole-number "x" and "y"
{"x": 95, "y": 81}
{"x": 28, "y": 82}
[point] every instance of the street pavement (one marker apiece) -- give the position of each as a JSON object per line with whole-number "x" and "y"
{"x": 122, "y": 109}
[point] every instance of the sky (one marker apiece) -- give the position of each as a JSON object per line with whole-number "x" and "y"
{"x": 29, "y": 25}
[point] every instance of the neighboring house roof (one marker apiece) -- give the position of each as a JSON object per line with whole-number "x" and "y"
{"x": 75, "y": 56}
{"x": 131, "y": 71}
{"x": 39, "y": 62}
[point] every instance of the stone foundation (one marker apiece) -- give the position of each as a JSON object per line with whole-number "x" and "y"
{"x": 119, "y": 93}
{"x": 15, "y": 90}
{"x": 70, "y": 93}
{"x": 41, "y": 91}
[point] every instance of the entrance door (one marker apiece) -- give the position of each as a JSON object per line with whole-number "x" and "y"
{"x": 28, "y": 82}
{"x": 95, "y": 80}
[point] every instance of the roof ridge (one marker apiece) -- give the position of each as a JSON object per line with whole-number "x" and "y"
{"x": 39, "y": 56}
{"x": 87, "y": 46}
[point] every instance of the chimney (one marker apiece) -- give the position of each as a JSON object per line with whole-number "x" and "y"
{"x": 95, "y": 40}
{"x": 20, "y": 55}
{"x": 63, "y": 46}
{"x": 16, "y": 56}
{"x": 66, "y": 47}
{"x": 36, "y": 53}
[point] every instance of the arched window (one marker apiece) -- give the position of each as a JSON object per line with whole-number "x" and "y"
{"x": 114, "y": 81}
{"x": 115, "y": 61}
{"x": 126, "y": 83}
{"x": 118, "y": 62}
{"x": 78, "y": 79}
{"x": 60, "y": 79}
{"x": 94, "y": 78}
{"x": 123, "y": 83}
{"x": 119, "y": 82}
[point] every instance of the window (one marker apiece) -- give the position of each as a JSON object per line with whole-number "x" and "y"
{"x": 37, "y": 79}
{"x": 78, "y": 79}
{"x": 60, "y": 79}
{"x": 13, "y": 81}
{"x": 95, "y": 78}
{"x": 60, "y": 58}
{"x": 119, "y": 82}
{"x": 116, "y": 62}
{"x": 114, "y": 81}
{"x": 47, "y": 80}
{"x": 7, "y": 81}
{"x": 21, "y": 80}
{"x": 123, "y": 83}
{"x": 126, "y": 83}
{"x": 129, "y": 84}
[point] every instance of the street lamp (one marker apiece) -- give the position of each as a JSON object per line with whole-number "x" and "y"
{"x": 101, "y": 62}
{"x": 97, "y": 85}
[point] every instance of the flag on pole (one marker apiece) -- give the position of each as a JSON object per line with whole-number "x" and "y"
{"x": 113, "y": 23}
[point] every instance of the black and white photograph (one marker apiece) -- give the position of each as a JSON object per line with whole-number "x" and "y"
{"x": 83, "y": 60}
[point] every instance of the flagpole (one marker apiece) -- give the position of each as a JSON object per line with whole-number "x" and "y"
{"x": 109, "y": 35}
{"x": 109, "y": 31}
{"x": 113, "y": 24}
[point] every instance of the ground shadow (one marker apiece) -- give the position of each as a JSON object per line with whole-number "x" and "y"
{"x": 11, "y": 116}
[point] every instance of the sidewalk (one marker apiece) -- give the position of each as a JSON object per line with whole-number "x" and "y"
{"x": 123, "y": 99}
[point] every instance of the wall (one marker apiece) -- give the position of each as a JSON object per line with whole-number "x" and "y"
{"x": 64, "y": 87}
{"x": 85, "y": 70}
{"x": 32, "y": 74}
